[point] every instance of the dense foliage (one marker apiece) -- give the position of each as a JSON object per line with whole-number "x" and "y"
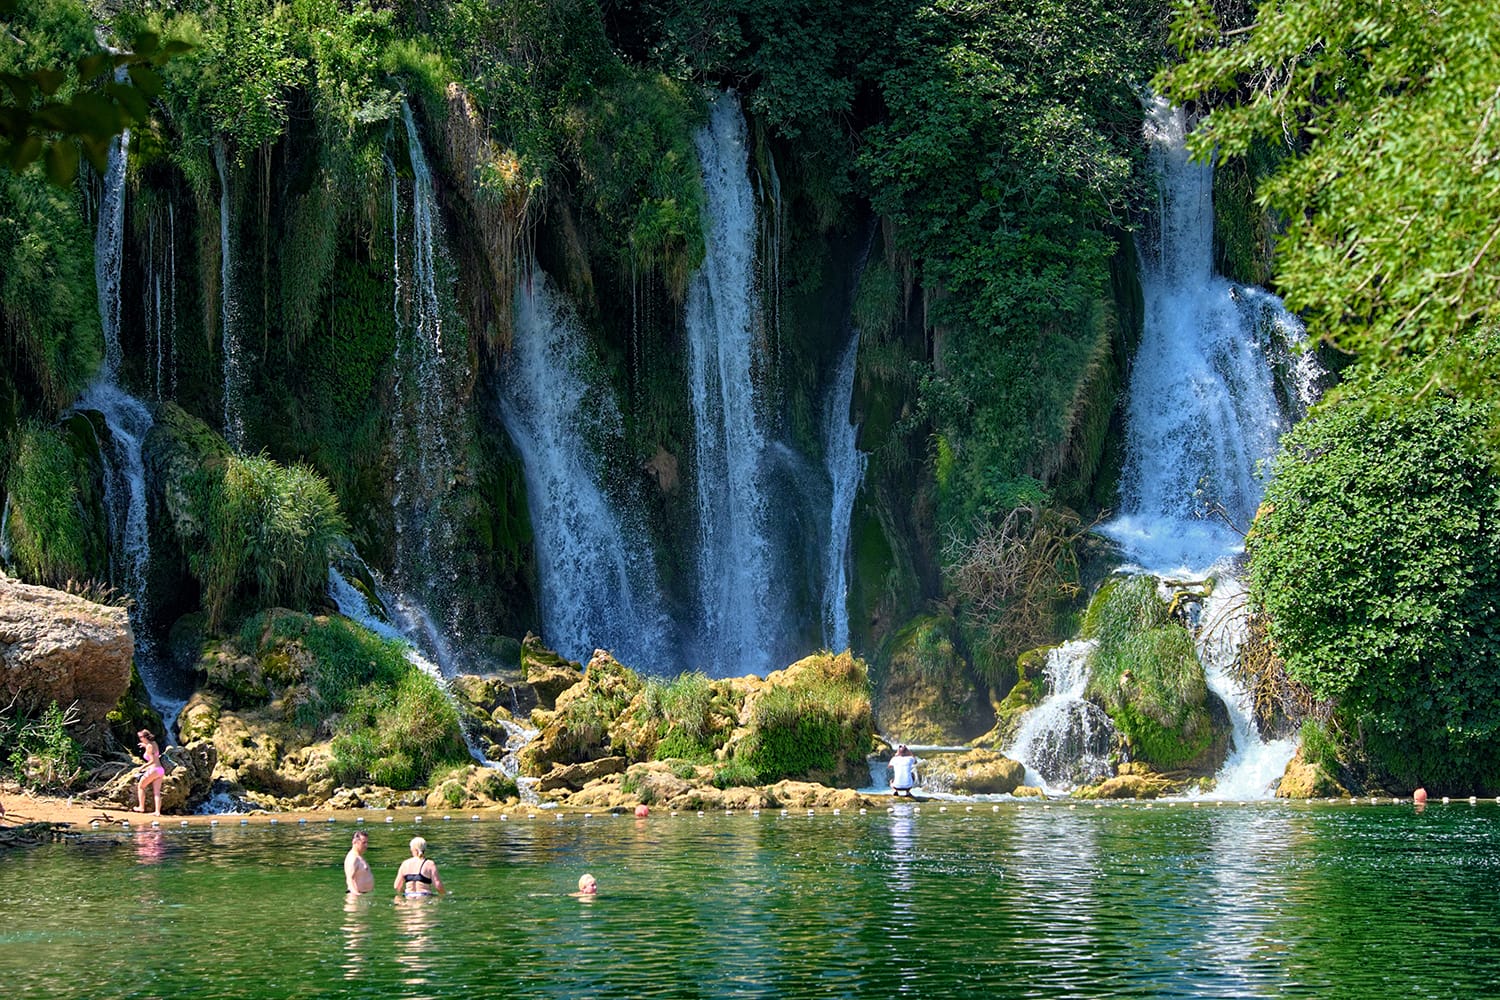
{"x": 1391, "y": 189}
{"x": 1377, "y": 556}
{"x": 48, "y": 530}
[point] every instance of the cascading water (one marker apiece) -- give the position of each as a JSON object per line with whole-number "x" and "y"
{"x": 229, "y": 316}
{"x": 740, "y": 596}
{"x": 1066, "y": 740}
{"x": 1203, "y": 415}
{"x": 846, "y": 469}
{"x": 128, "y": 421}
{"x": 1203, "y": 420}
{"x": 1254, "y": 765}
{"x": 594, "y": 563}
{"x": 423, "y": 422}
{"x": 159, "y": 304}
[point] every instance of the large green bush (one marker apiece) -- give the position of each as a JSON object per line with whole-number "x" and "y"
{"x": 267, "y": 531}
{"x": 1376, "y": 555}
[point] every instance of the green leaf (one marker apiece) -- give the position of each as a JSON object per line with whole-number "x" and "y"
{"x": 62, "y": 162}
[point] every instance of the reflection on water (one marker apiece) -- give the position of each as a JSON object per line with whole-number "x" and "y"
{"x": 1030, "y": 901}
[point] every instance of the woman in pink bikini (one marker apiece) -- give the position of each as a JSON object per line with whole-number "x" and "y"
{"x": 152, "y": 774}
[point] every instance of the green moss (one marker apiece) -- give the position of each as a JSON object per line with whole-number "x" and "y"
{"x": 51, "y": 536}
{"x": 820, "y": 727}
{"x": 396, "y": 735}
{"x": 1146, "y": 674}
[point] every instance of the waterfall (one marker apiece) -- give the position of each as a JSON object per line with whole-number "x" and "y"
{"x": 159, "y": 306}
{"x": 234, "y": 374}
{"x": 740, "y": 595}
{"x": 846, "y": 468}
{"x": 1203, "y": 416}
{"x": 425, "y": 417}
{"x": 1203, "y": 422}
{"x": 594, "y": 562}
{"x": 109, "y": 248}
{"x": 1066, "y": 740}
{"x": 128, "y": 421}
{"x": 1254, "y": 765}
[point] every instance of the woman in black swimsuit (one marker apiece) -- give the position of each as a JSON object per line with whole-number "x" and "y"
{"x": 418, "y": 875}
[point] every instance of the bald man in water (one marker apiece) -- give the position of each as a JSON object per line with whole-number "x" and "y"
{"x": 357, "y": 875}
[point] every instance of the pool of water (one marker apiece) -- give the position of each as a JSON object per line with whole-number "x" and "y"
{"x": 1120, "y": 901}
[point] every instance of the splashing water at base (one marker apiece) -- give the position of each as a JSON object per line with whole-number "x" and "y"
{"x": 1065, "y": 740}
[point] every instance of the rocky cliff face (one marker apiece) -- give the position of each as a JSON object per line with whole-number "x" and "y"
{"x": 58, "y": 647}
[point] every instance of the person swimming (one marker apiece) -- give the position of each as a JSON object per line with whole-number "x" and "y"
{"x": 418, "y": 874}
{"x": 152, "y": 774}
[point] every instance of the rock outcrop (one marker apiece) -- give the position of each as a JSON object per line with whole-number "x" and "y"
{"x": 926, "y": 693}
{"x": 1305, "y": 779}
{"x": 190, "y": 771}
{"x": 978, "y": 772}
{"x": 58, "y": 647}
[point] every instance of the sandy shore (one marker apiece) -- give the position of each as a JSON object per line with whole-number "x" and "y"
{"x": 23, "y": 808}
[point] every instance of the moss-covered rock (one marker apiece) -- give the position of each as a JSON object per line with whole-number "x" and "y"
{"x": 1146, "y": 674}
{"x": 1029, "y": 691}
{"x": 812, "y": 720}
{"x": 578, "y": 728}
{"x": 548, "y": 674}
{"x": 927, "y": 693}
{"x": 978, "y": 772}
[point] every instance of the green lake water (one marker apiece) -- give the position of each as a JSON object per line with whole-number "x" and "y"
{"x": 1263, "y": 900}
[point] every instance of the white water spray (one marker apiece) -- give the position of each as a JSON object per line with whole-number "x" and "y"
{"x": 1203, "y": 417}
{"x": 740, "y": 595}
{"x": 229, "y": 319}
{"x": 846, "y": 469}
{"x": 1254, "y": 766}
{"x": 1065, "y": 740}
{"x": 594, "y": 563}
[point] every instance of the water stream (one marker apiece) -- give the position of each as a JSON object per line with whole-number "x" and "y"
{"x": 232, "y": 349}
{"x": 425, "y": 423}
{"x": 845, "y": 465}
{"x": 740, "y": 593}
{"x": 127, "y": 420}
{"x": 1203, "y": 420}
{"x": 594, "y": 562}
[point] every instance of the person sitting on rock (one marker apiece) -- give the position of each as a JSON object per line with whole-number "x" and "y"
{"x": 418, "y": 874}
{"x": 903, "y": 769}
{"x": 152, "y": 774}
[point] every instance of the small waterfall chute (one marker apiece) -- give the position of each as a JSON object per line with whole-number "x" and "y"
{"x": 845, "y": 464}
{"x": 1067, "y": 739}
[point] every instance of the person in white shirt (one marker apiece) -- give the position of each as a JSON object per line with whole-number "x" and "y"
{"x": 903, "y": 771}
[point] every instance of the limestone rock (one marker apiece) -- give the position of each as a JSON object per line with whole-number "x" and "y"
{"x": 575, "y": 776}
{"x": 1127, "y": 786}
{"x": 808, "y": 795}
{"x": 190, "y": 771}
{"x": 57, "y": 647}
{"x": 978, "y": 772}
{"x": 1306, "y": 780}
{"x": 547, "y": 673}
